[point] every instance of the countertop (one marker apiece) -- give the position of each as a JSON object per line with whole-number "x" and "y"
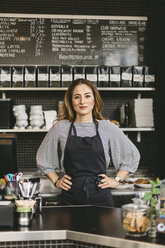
{"x": 128, "y": 191}
{"x": 92, "y": 224}
{"x": 115, "y": 192}
{"x": 48, "y": 189}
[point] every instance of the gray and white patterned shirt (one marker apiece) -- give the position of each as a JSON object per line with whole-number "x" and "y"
{"x": 118, "y": 148}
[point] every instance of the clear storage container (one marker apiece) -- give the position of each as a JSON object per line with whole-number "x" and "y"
{"x": 135, "y": 219}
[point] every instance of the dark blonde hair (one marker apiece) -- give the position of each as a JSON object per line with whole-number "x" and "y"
{"x": 68, "y": 111}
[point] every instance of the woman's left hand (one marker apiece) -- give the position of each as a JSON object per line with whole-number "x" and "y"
{"x": 107, "y": 182}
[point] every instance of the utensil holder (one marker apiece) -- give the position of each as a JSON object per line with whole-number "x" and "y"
{"x": 24, "y": 218}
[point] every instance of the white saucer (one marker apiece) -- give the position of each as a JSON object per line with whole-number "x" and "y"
{"x": 125, "y": 186}
{"x": 141, "y": 185}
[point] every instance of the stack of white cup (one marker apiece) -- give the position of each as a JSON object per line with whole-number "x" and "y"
{"x": 36, "y": 116}
{"x": 21, "y": 116}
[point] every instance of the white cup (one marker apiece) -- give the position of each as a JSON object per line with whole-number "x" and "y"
{"x": 36, "y": 124}
{"x": 22, "y": 116}
{"x": 36, "y": 108}
{"x": 19, "y": 107}
{"x": 37, "y": 112}
{"x": 22, "y": 124}
{"x": 19, "y": 114}
{"x": 36, "y": 117}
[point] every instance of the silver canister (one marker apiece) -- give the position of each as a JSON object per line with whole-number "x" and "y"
{"x": 24, "y": 218}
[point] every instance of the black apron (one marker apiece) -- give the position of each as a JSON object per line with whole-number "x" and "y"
{"x": 84, "y": 160}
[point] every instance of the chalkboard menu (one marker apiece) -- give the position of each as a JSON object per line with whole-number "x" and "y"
{"x": 71, "y": 40}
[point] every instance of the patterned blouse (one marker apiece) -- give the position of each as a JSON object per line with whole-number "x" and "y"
{"x": 118, "y": 148}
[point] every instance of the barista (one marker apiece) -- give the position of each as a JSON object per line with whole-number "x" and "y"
{"x": 82, "y": 144}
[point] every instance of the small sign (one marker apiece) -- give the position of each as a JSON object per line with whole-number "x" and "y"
{"x": 160, "y": 225}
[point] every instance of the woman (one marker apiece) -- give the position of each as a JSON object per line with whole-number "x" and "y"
{"x": 82, "y": 144}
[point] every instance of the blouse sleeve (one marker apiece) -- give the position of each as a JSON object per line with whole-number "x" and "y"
{"x": 47, "y": 154}
{"x": 124, "y": 154}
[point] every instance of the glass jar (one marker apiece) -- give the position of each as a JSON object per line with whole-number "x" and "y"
{"x": 135, "y": 219}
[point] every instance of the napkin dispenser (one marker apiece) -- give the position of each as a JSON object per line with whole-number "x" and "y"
{"x": 6, "y": 213}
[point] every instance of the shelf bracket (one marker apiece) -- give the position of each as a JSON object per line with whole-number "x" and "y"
{"x": 3, "y": 95}
{"x": 139, "y": 96}
{"x": 139, "y": 136}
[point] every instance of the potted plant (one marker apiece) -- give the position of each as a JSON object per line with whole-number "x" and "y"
{"x": 151, "y": 198}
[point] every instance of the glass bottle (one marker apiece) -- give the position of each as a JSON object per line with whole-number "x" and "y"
{"x": 126, "y": 115}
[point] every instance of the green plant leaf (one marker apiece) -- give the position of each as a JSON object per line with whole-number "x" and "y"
{"x": 158, "y": 181}
{"x": 152, "y": 183}
{"x": 156, "y": 191}
{"x": 147, "y": 196}
{"x": 155, "y": 183}
{"x": 153, "y": 202}
{"x": 153, "y": 211}
{"x": 151, "y": 196}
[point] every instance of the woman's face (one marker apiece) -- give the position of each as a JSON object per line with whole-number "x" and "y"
{"x": 83, "y": 101}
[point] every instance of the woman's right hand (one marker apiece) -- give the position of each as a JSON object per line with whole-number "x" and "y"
{"x": 64, "y": 183}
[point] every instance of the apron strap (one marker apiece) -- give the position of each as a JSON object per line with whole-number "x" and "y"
{"x": 74, "y": 129}
{"x": 97, "y": 125}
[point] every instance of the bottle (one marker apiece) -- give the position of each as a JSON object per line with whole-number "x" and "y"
{"x": 60, "y": 108}
{"x": 122, "y": 115}
{"x": 126, "y": 124}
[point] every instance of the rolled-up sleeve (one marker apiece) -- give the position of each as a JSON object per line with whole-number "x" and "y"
{"x": 124, "y": 154}
{"x": 47, "y": 155}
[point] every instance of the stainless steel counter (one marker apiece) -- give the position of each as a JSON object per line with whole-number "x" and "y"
{"x": 48, "y": 189}
{"x": 134, "y": 191}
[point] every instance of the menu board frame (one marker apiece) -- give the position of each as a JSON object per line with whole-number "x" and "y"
{"x": 54, "y": 40}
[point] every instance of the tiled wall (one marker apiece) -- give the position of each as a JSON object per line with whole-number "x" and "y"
{"x": 49, "y": 244}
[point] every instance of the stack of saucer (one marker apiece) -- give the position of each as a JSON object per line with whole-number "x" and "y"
{"x": 36, "y": 116}
{"x": 21, "y": 116}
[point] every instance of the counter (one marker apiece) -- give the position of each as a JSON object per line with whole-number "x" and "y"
{"x": 129, "y": 191}
{"x": 48, "y": 189}
{"x": 99, "y": 226}
{"x": 120, "y": 197}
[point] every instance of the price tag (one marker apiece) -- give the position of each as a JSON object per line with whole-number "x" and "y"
{"x": 160, "y": 225}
